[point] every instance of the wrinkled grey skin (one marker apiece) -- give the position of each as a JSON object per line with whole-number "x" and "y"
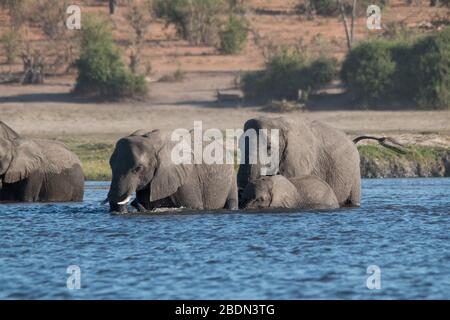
{"x": 280, "y": 192}
{"x": 311, "y": 148}
{"x": 33, "y": 170}
{"x": 142, "y": 163}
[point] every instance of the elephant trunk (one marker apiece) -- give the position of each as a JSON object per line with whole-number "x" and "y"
{"x": 247, "y": 173}
{"x": 120, "y": 193}
{"x": 114, "y": 207}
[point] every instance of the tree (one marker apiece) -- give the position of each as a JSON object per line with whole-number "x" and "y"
{"x": 349, "y": 30}
{"x": 112, "y": 6}
{"x": 101, "y": 70}
{"x": 139, "y": 18}
{"x": 197, "y": 21}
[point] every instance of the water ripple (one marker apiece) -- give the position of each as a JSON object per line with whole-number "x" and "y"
{"x": 402, "y": 227}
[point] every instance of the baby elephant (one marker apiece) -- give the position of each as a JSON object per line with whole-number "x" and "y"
{"x": 307, "y": 192}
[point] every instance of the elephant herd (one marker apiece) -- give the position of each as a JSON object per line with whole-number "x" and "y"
{"x": 317, "y": 168}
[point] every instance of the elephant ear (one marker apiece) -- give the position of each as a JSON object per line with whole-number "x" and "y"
{"x": 7, "y": 133}
{"x": 284, "y": 193}
{"x": 300, "y": 150}
{"x": 168, "y": 176}
{"x": 26, "y": 159}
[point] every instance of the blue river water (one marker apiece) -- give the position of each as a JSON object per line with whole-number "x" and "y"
{"x": 402, "y": 230}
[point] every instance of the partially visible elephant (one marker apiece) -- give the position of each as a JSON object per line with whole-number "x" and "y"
{"x": 141, "y": 163}
{"x": 308, "y": 148}
{"x": 306, "y": 192}
{"x": 35, "y": 170}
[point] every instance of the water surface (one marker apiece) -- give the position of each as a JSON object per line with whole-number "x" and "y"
{"x": 403, "y": 227}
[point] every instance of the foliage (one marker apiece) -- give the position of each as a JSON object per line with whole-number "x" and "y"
{"x": 331, "y": 7}
{"x": 369, "y": 69}
{"x": 325, "y": 7}
{"x": 10, "y": 41}
{"x": 286, "y": 73}
{"x": 139, "y": 18}
{"x": 49, "y": 15}
{"x": 16, "y": 11}
{"x": 431, "y": 61}
{"x": 101, "y": 70}
{"x": 197, "y": 21}
{"x": 234, "y": 35}
{"x": 415, "y": 70}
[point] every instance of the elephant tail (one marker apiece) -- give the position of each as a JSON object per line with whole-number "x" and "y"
{"x": 386, "y": 142}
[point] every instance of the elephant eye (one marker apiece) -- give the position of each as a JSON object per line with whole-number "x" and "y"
{"x": 138, "y": 169}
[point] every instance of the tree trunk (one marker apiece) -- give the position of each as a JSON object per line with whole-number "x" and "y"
{"x": 33, "y": 69}
{"x": 112, "y": 6}
{"x": 349, "y": 31}
{"x": 353, "y": 21}
{"x": 345, "y": 21}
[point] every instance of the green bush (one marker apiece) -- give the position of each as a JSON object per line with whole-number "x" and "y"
{"x": 197, "y": 21}
{"x": 101, "y": 70}
{"x": 418, "y": 71}
{"x": 331, "y": 8}
{"x": 254, "y": 85}
{"x": 325, "y": 7}
{"x": 173, "y": 12}
{"x": 285, "y": 74}
{"x": 431, "y": 60}
{"x": 322, "y": 71}
{"x": 369, "y": 69}
{"x": 404, "y": 83}
{"x": 234, "y": 35}
{"x": 10, "y": 41}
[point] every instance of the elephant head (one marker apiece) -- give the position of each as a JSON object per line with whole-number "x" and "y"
{"x": 141, "y": 161}
{"x": 296, "y": 154}
{"x": 269, "y": 192}
{"x": 18, "y": 157}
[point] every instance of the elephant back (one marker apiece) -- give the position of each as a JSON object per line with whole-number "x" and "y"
{"x": 57, "y": 157}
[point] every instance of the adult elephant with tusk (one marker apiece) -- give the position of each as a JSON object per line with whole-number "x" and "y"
{"x": 142, "y": 163}
{"x": 35, "y": 170}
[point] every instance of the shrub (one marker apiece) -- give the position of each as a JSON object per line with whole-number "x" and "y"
{"x": 322, "y": 71}
{"x": 431, "y": 60}
{"x": 285, "y": 74}
{"x": 101, "y": 70}
{"x": 418, "y": 71}
{"x": 197, "y": 21}
{"x": 17, "y": 11}
{"x": 368, "y": 70}
{"x": 331, "y": 8}
{"x": 234, "y": 35}
{"x": 325, "y": 7}
{"x": 50, "y": 15}
{"x": 404, "y": 83}
{"x": 11, "y": 42}
{"x": 254, "y": 85}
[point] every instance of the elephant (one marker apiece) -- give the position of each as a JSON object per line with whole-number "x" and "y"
{"x": 306, "y": 192}
{"x": 37, "y": 170}
{"x": 141, "y": 163}
{"x": 307, "y": 148}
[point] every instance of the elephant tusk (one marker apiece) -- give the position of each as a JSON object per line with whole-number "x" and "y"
{"x": 126, "y": 201}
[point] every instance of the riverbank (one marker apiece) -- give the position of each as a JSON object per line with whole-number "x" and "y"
{"x": 419, "y": 161}
{"x": 90, "y": 128}
{"x": 376, "y": 161}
